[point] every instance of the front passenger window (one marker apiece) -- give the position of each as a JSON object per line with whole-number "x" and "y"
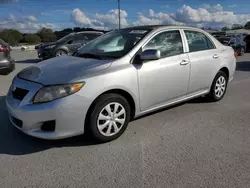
{"x": 198, "y": 41}
{"x": 169, "y": 43}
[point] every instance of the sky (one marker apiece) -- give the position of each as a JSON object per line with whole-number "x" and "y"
{"x": 31, "y": 15}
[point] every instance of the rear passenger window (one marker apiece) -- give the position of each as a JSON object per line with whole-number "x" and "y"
{"x": 169, "y": 43}
{"x": 198, "y": 41}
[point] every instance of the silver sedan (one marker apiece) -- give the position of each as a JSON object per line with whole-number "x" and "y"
{"x": 119, "y": 76}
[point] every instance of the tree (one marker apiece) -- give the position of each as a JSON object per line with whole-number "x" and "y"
{"x": 237, "y": 26}
{"x": 247, "y": 26}
{"x": 47, "y": 35}
{"x": 11, "y": 36}
{"x": 32, "y": 39}
{"x": 77, "y": 29}
{"x": 225, "y": 28}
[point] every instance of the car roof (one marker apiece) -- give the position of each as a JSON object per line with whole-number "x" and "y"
{"x": 90, "y": 32}
{"x": 154, "y": 27}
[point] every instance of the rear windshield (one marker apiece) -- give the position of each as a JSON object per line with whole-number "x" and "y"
{"x": 2, "y": 42}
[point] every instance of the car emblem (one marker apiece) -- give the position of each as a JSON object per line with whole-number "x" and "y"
{"x": 13, "y": 88}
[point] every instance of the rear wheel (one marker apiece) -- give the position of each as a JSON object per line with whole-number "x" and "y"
{"x": 219, "y": 87}
{"x": 61, "y": 53}
{"x": 108, "y": 118}
{"x": 22, "y": 48}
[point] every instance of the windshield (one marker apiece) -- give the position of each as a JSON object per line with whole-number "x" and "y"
{"x": 64, "y": 39}
{"x": 114, "y": 44}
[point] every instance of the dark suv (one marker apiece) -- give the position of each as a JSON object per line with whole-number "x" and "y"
{"x": 7, "y": 64}
{"x": 66, "y": 45}
{"x": 235, "y": 42}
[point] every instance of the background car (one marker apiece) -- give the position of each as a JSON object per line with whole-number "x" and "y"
{"x": 66, "y": 45}
{"x": 218, "y": 34}
{"x": 7, "y": 64}
{"x": 19, "y": 47}
{"x": 247, "y": 41}
{"x": 236, "y": 43}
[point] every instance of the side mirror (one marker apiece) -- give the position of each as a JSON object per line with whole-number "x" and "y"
{"x": 150, "y": 54}
{"x": 70, "y": 42}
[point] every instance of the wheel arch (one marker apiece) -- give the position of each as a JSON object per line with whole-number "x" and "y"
{"x": 64, "y": 48}
{"x": 121, "y": 92}
{"x": 225, "y": 70}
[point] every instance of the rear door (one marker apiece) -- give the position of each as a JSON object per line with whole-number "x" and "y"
{"x": 205, "y": 59}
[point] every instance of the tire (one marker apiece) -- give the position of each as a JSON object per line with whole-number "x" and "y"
{"x": 22, "y": 49}
{"x": 220, "y": 81}
{"x": 101, "y": 125}
{"x": 61, "y": 53}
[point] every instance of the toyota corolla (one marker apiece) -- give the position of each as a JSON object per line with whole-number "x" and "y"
{"x": 119, "y": 76}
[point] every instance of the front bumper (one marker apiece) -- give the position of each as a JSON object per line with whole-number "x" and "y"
{"x": 7, "y": 66}
{"x": 45, "y": 54}
{"x": 69, "y": 113}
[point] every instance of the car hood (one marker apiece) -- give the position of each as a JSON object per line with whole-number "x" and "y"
{"x": 48, "y": 44}
{"x": 64, "y": 69}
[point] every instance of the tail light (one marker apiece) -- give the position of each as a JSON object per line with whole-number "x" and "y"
{"x": 4, "y": 48}
{"x": 235, "y": 54}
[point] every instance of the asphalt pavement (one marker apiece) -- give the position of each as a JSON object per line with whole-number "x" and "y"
{"x": 194, "y": 144}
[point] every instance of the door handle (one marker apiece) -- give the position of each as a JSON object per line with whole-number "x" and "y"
{"x": 215, "y": 56}
{"x": 184, "y": 62}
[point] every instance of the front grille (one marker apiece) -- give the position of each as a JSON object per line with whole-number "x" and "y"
{"x": 17, "y": 122}
{"x": 19, "y": 93}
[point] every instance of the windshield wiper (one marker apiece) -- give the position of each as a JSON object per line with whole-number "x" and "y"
{"x": 94, "y": 56}
{"x": 89, "y": 55}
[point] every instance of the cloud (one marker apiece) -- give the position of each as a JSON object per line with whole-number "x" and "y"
{"x": 155, "y": 19}
{"x": 7, "y": 1}
{"x": 11, "y": 17}
{"x": 111, "y": 20}
{"x": 26, "y": 24}
{"x": 99, "y": 21}
{"x": 46, "y": 14}
{"x": 206, "y": 16}
{"x": 79, "y": 18}
{"x": 165, "y": 6}
{"x": 64, "y": 11}
{"x": 214, "y": 8}
{"x": 30, "y": 18}
{"x": 187, "y": 14}
{"x": 233, "y": 6}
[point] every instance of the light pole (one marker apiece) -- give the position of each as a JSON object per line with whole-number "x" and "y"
{"x": 119, "y": 14}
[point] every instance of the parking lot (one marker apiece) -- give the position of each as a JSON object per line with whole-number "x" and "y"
{"x": 194, "y": 144}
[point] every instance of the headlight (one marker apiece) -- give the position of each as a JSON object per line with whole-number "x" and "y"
{"x": 49, "y": 47}
{"x": 50, "y": 93}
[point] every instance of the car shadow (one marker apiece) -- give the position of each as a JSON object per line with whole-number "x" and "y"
{"x": 14, "y": 142}
{"x": 243, "y": 66}
{"x": 29, "y": 61}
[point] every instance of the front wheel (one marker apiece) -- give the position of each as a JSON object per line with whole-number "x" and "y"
{"x": 61, "y": 53}
{"x": 109, "y": 117}
{"x": 219, "y": 87}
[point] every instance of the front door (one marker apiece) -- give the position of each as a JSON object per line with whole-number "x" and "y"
{"x": 166, "y": 79}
